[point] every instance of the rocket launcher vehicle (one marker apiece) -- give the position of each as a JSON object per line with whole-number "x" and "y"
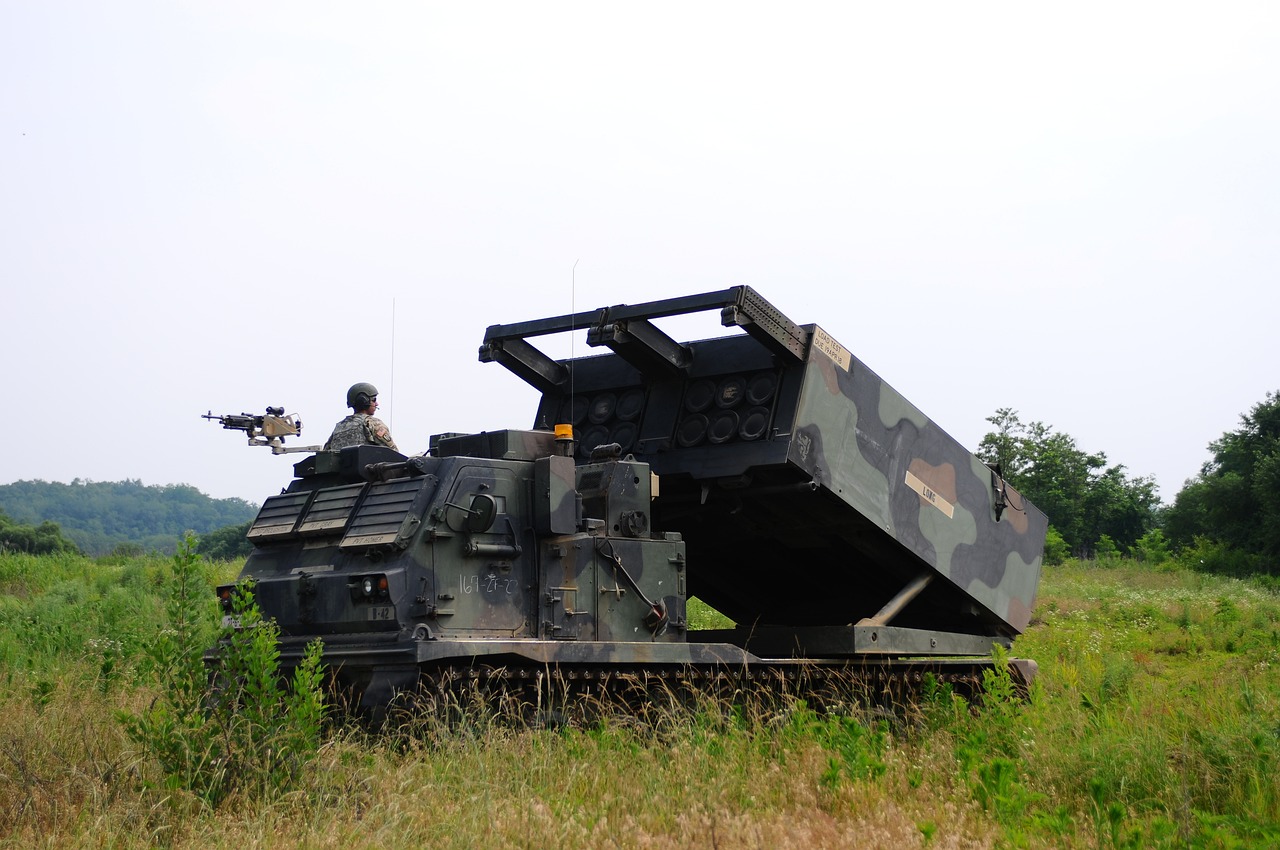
{"x": 768, "y": 472}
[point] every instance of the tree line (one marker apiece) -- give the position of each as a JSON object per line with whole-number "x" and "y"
{"x": 99, "y": 517}
{"x": 1234, "y": 503}
{"x": 1229, "y": 513}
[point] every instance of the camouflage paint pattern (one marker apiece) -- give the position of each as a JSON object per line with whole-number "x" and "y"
{"x": 866, "y": 444}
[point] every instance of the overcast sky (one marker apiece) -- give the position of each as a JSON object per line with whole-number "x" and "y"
{"x": 1072, "y": 211}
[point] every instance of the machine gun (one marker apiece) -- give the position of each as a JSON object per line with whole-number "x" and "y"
{"x": 268, "y": 429}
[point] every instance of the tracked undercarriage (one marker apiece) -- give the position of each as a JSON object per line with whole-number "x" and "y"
{"x": 648, "y": 692}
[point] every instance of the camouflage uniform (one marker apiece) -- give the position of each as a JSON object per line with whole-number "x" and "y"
{"x": 360, "y": 429}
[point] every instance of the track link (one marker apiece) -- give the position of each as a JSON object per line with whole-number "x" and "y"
{"x": 642, "y": 693}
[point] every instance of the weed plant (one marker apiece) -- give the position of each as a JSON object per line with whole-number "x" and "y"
{"x": 1154, "y": 722}
{"x": 241, "y": 730}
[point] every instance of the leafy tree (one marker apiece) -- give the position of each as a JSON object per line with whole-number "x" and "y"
{"x": 1085, "y": 499}
{"x": 1121, "y": 508}
{"x": 1004, "y": 446}
{"x": 226, "y": 544}
{"x": 1235, "y": 500}
{"x": 43, "y": 539}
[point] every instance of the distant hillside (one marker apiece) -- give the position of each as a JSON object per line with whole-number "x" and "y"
{"x": 101, "y": 515}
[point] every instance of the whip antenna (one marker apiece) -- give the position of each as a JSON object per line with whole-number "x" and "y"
{"x": 573, "y": 308}
{"x": 391, "y": 409}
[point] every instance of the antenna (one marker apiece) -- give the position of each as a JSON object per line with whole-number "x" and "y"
{"x": 573, "y": 311}
{"x": 391, "y": 409}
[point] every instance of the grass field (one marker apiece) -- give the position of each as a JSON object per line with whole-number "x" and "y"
{"x": 1154, "y": 722}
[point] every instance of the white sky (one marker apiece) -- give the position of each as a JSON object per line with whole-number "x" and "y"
{"x": 1070, "y": 211}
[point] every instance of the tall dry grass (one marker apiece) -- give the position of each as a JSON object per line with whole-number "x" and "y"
{"x": 1155, "y": 722}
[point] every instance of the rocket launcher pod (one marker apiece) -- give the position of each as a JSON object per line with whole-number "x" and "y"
{"x": 821, "y": 511}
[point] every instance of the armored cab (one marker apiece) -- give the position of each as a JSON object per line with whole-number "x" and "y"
{"x": 821, "y": 510}
{"x": 769, "y": 472}
{"x": 482, "y": 554}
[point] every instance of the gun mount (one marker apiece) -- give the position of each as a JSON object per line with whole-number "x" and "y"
{"x": 267, "y": 429}
{"x": 840, "y": 529}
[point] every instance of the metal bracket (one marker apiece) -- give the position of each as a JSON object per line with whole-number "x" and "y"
{"x": 527, "y": 362}
{"x": 628, "y": 331}
{"x": 643, "y": 345}
{"x": 766, "y": 324}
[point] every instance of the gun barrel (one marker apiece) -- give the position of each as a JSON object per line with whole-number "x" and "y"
{"x": 232, "y": 422}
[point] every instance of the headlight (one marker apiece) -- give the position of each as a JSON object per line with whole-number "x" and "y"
{"x": 368, "y": 588}
{"x": 225, "y": 593}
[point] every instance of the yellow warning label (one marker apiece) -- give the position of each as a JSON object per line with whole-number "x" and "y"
{"x": 927, "y": 493}
{"x": 827, "y": 344}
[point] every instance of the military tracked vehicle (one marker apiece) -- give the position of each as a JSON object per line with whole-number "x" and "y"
{"x": 768, "y": 472}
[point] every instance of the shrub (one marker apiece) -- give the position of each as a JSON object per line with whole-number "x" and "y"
{"x": 45, "y": 538}
{"x": 1056, "y": 550}
{"x": 226, "y": 544}
{"x": 1151, "y": 548}
{"x": 242, "y": 730}
{"x": 1210, "y": 556}
{"x": 1106, "y": 552}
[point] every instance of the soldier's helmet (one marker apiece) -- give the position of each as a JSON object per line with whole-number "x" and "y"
{"x": 359, "y": 396}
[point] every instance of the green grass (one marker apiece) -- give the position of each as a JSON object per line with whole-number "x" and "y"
{"x": 1157, "y": 713}
{"x": 703, "y": 616}
{"x": 1154, "y": 722}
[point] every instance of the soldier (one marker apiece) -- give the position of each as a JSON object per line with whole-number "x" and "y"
{"x": 361, "y": 427}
